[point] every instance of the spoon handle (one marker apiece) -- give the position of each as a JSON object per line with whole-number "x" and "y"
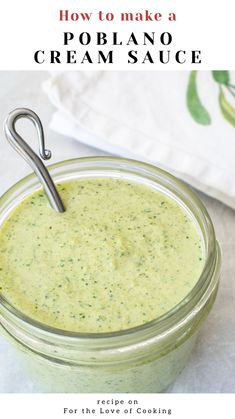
{"x": 30, "y": 156}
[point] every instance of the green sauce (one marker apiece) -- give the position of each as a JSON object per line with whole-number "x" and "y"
{"x": 121, "y": 255}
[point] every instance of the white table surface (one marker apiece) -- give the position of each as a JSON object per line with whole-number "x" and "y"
{"x": 212, "y": 365}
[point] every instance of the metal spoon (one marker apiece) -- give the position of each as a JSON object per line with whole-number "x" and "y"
{"x": 30, "y": 156}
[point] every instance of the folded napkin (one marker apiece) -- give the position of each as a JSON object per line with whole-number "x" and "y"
{"x": 181, "y": 121}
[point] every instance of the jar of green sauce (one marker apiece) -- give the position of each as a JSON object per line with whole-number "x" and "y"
{"x": 72, "y": 345}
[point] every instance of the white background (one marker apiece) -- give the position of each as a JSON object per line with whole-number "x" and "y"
{"x": 27, "y": 26}
{"x": 52, "y": 406}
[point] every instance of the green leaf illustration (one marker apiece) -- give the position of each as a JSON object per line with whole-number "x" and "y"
{"x": 221, "y": 76}
{"x": 194, "y": 104}
{"x": 227, "y": 109}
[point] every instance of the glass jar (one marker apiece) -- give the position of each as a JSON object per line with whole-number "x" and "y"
{"x": 143, "y": 359}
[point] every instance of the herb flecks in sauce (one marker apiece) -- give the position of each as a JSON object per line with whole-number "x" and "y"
{"x": 121, "y": 255}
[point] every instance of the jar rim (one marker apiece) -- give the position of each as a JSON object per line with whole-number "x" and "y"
{"x": 168, "y": 319}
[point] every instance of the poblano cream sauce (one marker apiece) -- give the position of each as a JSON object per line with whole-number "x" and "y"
{"x": 121, "y": 255}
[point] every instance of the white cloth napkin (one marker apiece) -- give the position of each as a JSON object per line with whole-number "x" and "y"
{"x": 144, "y": 115}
